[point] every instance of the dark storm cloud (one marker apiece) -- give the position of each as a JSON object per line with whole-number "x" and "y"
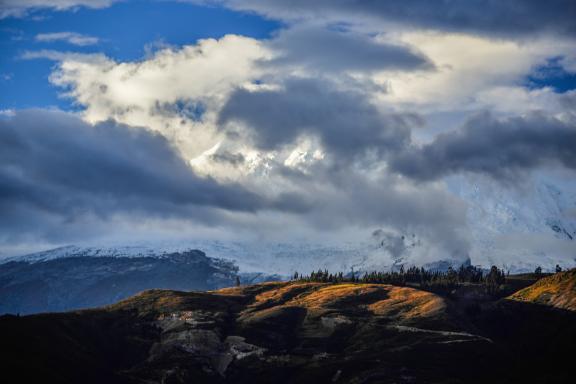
{"x": 54, "y": 165}
{"x": 320, "y": 49}
{"x": 487, "y": 17}
{"x": 498, "y": 148}
{"x": 345, "y": 121}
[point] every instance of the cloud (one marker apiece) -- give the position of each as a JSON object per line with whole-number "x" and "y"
{"x": 175, "y": 92}
{"x": 512, "y": 18}
{"x": 345, "y": 196}
{"x": 472, "y": 73}
{"x": 56, "y": 168}
{"x": 20, "y": 8}
{"x": 322, "y": 49}
{"x": 50, "y": 54}
{"x": 500, "y": 148}
{"x": 345, "y": 121}
{"x": 310, "y": 132}
{"x": 4, "y": 113}
{"x": 64, "y": 180}
{"x": 69, "y": 37}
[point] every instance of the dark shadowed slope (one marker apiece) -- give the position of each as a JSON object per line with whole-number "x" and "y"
{"x": 296, "y": 332}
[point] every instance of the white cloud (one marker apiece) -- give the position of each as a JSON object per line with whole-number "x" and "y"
{"x": 69, "y": 37}
{"x": 163, "y": 91}
{"x": 469, "y": 69}
{"x": 174, "y": 91}
{"x": 20, "y": 8}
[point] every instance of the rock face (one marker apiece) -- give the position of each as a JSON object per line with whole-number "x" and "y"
{"x": 558, "y": 290}
{"x": 75, "y": 282}
{"x": 295, "y": 332}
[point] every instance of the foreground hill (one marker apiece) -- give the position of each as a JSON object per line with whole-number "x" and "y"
{"x": 296, "y": 332}
{"x": 558, "y": 290}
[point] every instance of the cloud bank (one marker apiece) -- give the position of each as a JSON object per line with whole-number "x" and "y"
{"x": 319, "y": 49}
{"x": 513, "y": 18}
{"x": 498, "y": 148}
{"x": 346, "y": 122}
{"x": 54, "y": 167}
{"x": 354, "y": 116}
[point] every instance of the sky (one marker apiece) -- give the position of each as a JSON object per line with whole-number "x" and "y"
{"x": 289, "y": 121}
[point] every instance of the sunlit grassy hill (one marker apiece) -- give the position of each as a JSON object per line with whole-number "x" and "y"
{"x": 558, "y": 290}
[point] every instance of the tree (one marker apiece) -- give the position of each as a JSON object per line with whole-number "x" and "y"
{"x": 494, "y": 279}
{"x": 538, "y": 271}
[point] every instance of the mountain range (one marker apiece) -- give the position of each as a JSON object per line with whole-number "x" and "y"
{"x": 73, "y": 280}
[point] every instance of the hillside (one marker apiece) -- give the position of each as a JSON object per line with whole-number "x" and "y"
{"x": 558, "y": 290}
{"x": 296, "y": 332}
{"x": 75, "y": 281}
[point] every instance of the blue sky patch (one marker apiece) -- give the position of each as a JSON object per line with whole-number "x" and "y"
{"x": 124, "y": 31}
{"x": 552, "y": 74}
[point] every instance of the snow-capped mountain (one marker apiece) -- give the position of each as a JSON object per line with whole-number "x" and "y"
{"x": 91, "y": 251}
{"x": 381, "y": 250}
{"x": 520, "y": 227}
{"x": 270, "y": 258}
{"x": 516, "y": 229}
{"x": 62, "y": 280}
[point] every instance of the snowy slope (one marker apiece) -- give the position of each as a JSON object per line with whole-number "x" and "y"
{"x": 519, "y": 227}
{"x": 92, "y": 251}
{"x": 57, "y": 282}
{"x": 382, "y": 250}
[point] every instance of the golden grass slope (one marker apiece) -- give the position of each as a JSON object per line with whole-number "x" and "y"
{"x": 558, "y": 290}
{"x": 399, "y": 304}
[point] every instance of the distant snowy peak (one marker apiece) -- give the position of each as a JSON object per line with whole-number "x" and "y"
{"x": 520, "y": 227}
{"x": 73, "y": 277}
{"x": 382, "y": 251}
{"x": 76, "y": 251}
{"x": 539, "y": 206}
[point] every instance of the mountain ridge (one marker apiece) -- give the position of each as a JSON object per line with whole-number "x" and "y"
{"x": 73, "y": 282}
